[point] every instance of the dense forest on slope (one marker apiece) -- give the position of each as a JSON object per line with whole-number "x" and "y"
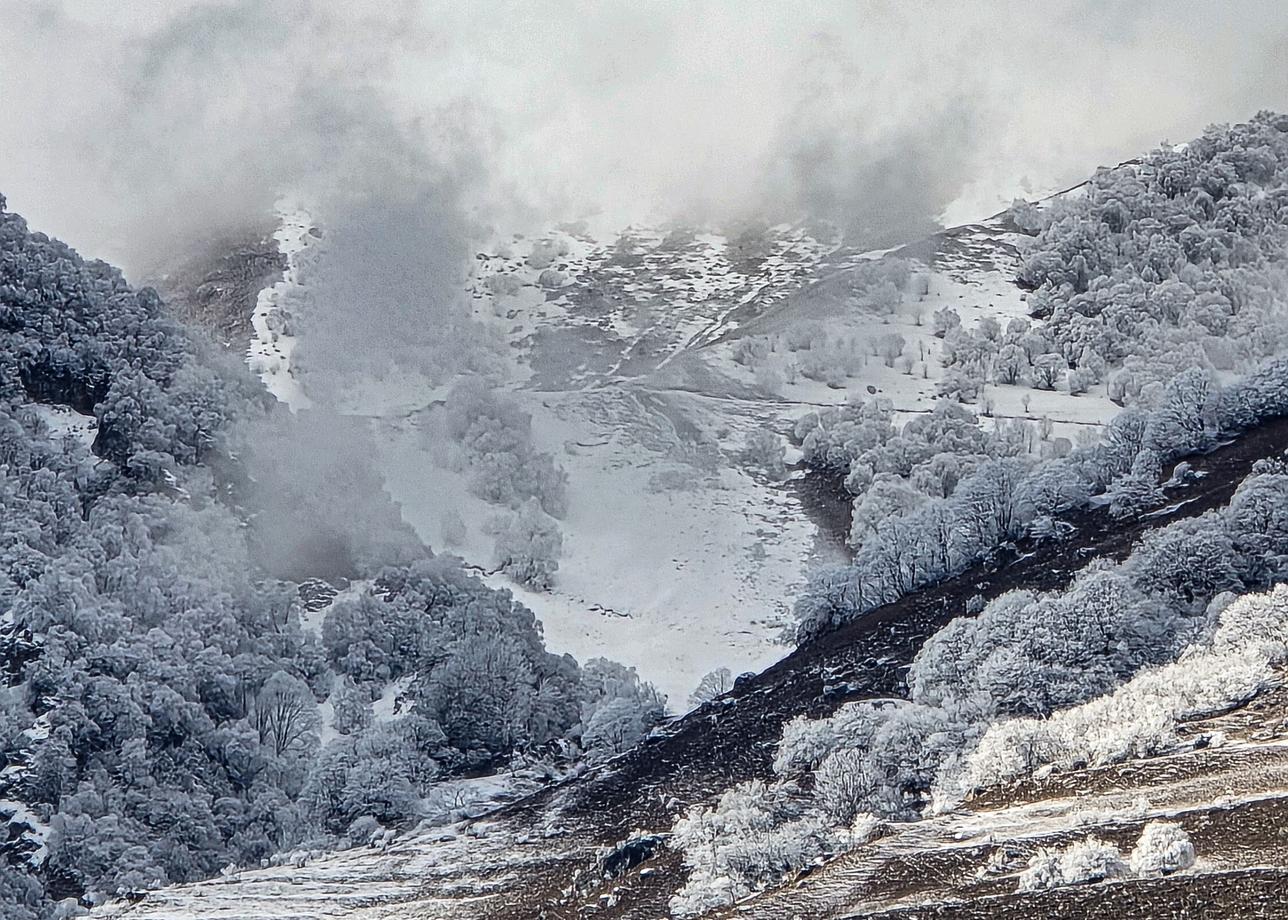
{"x": 1164, "y": 278}
{"x": 168, "y": 708}
{"x": 1144, "y": 278}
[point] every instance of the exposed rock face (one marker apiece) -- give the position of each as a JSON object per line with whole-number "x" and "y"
{"x": 215, "y": 288}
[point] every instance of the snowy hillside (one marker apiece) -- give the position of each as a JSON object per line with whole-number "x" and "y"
{"x": 640, "y": 361}
{"x": 1043, "y": 678}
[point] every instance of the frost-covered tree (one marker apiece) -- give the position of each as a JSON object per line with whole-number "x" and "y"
{"x": 713, "y": 684}
{"x": 765, "y": 451}
{"x": 1140, "y": 490}
{"x": 960, "y": 384}
{"x": 752, "y": 837}
{"x": 944, "y": 321}
{"x": 887, "y": 497}
{"x": 21, "y": 895}
{"x": 351, "y": 708}
{"x": 1186, "y": 419}
{"x": 529, "y": 546}
{"x": 890, "y": 346}
{"x": 285, "y": 715}
{"x": 1011, "y": 364}
{"x": 505, "y": 467}
{"x": 1025, "y": 216}
{"x": 617, "y": 708}
{"x": 1079, "y": 381}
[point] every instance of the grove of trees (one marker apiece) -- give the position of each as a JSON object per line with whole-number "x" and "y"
{"x": 165, "y": 709}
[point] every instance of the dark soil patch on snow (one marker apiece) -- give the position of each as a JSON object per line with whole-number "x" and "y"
{"x": 830, "y": 507}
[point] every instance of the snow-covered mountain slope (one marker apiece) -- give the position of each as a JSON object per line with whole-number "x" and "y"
{"x": 642, "y": 363}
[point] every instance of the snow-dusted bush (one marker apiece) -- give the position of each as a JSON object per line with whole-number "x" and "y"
{"x": 1025, "y": 216}
{"x": 1084, "y": 862}
{"x": 713, "y": 684}
{"x": 754, "y": 836}
{"x": 1255, "y": 625}
{"x": 806, "y": 743}
{"x": 765, "y": 451}
{"x": 844, "y": 784}
{"x": 529, "y": 546}
{"x": 1042, "y": 872}
{"x": 1137, "y": 719}
{"x": 1163, "y": 848}
{"x": 1047, "y": 371}
{"x": 21, "y": 896}
{"x": 944, "y": 321}
{"x": 1079, "y": 381}
{"x": 1188, "y": 561}
{"x": 960, "y": 384}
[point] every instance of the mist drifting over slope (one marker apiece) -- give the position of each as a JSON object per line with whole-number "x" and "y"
{"x": 159, "y": 122}
{"x": 414, "y": 131}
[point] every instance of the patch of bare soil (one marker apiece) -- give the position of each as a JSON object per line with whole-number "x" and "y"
{"x": 1248, "y": 894}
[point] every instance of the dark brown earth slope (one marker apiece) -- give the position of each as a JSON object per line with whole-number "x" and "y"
{"x": 215, "y": 286}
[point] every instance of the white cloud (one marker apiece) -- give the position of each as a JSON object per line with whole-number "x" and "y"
{"x": 132, "y": 126}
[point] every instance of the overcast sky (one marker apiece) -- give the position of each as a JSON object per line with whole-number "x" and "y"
{"x": 132, "y": 127}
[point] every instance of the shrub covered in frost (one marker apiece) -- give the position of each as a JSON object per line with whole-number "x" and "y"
{"x": 1139, "y": 718}
{"x": 1163, "y": 848}
{"x": 754, "y": 835}
{"x": 765, "y": 451}
{"x": 1084, "y": 862}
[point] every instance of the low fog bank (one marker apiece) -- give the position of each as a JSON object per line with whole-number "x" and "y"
{"x": 156, "y": 123}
